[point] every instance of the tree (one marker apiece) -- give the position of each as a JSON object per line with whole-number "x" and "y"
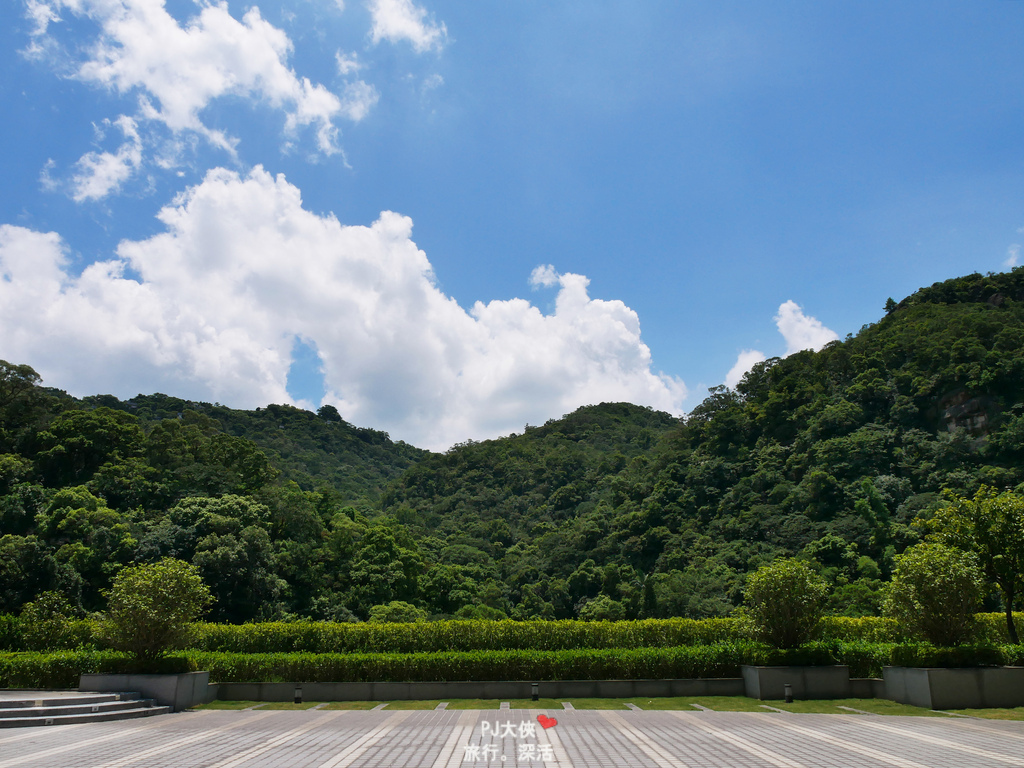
{"x": 151, "y": 608}
{"x": 602, "y": 608}
{"x": 27, "y": 568}
{"x": 243, "y": 574}
{"x": 396, "y": 611}
{"x": 992, "y": 526}
{"x": 77, "y": 443}
{"x": 46, "y": 622}
{"x": 784, "y": 602}
{"x": 935, "y": 592}
{"x": 23, "y": 403}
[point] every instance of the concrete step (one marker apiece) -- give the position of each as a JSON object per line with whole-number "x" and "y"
{"x": 78, "y": 699}
{"x": 77, "y": 708}
{"x": 86, "y": 717}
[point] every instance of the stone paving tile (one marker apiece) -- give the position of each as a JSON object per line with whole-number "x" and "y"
{"x": 581, "y": 739}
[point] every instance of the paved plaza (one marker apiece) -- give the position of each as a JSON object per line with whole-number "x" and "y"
{"x": 475, "y": 739}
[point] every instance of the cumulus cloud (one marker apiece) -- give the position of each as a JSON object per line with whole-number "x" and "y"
{"x": 177, "y": 70}
{"x": 98, "y": 174}
{"x": 544, "y": 276}
{"x": 1012, "y": 256}
{"x": 347, "y": 63}
{"x": 210, "y": 309}
{"x": 397, "y": 20}
{"x": 801, "y": 331}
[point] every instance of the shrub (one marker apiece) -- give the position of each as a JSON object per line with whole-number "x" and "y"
{"x": 48, "y": 623}
{"x": 324, "y": 637}
{"x": 784, "y": 603}
{"x": 928, "y": 655}
{"x": 935, "y": 592}
{"x": 396, "y": 611}
{"x": 10, "y": 633}
{"x": 151, "y": 608}
{"x": 602, "y": 608}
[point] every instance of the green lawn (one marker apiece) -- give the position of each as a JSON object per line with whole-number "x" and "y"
{"x": 596, "y": 703}
{"x": 677, "y": 703}
{"x": 229, "y": 704}
{"x": 684, "y": 703}
{"x": 1016, "y": 713}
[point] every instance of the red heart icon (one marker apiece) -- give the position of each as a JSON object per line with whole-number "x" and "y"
{"x": 546, "y": 722}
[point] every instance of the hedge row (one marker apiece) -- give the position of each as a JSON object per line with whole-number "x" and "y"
{"x": 61, "y": 669}
{"x": 437, "y": 636}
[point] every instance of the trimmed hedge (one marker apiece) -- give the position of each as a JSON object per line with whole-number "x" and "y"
{"x": 437, "y": 636}
{"x": 81, "y": 633}
{"x": 61, "y": 669}
{"x": 981, "y": 655}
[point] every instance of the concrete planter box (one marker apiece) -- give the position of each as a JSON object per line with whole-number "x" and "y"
{"x": 495, "y": 689}
{"x": 961, "y": 688}
{"x": 178, "y": 691}
{"x": 825, "y": 682}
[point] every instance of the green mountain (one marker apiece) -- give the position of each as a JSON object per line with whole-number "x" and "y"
{"x": 829, "y": 455}
{"x": 318, "y": 450}
{"x": 612, "y": 511}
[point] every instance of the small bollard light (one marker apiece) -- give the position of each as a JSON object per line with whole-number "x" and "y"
{"x": 789, "y": 693}
{"x": 298, "y": 694}
{"x": 535, "y": 691}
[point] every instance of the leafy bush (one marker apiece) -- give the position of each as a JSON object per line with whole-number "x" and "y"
{"x": 928, "y": 655}
{"x": 63, "y": 668}
{"x": 863, "y": 659}
{"x": 935, "y": 592}
{"x": 871, "y": 629}
{"x": 151, "y": 608}
{"x": 396, "y": 611}
{"x": 48, "y": 623}
{"x": 324, "y": 637}
{"x": 602, "y": 608}
{"x": 992, "y": 627}
{"x": 721, "y": 660}
{"x": 784, "y": 602}
{"x": 10, "y": 633}
{"x": 468, "y": 635}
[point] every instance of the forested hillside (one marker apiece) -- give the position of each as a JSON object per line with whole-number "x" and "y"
{"x": 613, "y": 511}
{"x": 829, "y": 455}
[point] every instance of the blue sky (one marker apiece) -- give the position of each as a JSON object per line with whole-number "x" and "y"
{"x": 583, "y": 201}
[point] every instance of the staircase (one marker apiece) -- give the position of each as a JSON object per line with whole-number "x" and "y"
{"x": 42, "y": 708}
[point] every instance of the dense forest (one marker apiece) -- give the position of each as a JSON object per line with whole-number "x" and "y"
{"x": 613, "y": 511}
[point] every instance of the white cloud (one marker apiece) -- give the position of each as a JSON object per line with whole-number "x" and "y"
{"x": 100, "y": 173}
{"x": 360, "y": 98}
{"x": 177, "y": 70}
{"x": 242, "y": 269}
{"x": 348, "y": 63}
{"x": 797, "y": 329}
{"x": 801, "y": 331}
{"x": 544, "y": 276}
{"x": 397, "y": 20}
{"x": 1012, "y": 256}
{"x": 746, "y": 360}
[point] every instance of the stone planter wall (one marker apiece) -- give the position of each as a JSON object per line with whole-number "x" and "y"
{"x": 831, "y": 682}
{"x": 178, "y": 691}
{"x": 495, "y": 689}
{"x": 938, "y": 688}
